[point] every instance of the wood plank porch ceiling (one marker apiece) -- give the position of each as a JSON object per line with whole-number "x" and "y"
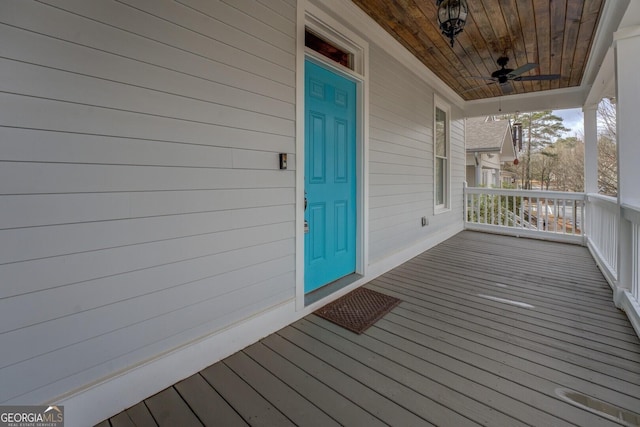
{"x": 556, "y": 34}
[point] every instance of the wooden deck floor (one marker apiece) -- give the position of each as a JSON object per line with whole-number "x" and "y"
{"x": 489, "y": 329}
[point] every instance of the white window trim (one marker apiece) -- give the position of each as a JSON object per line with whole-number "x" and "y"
{"x": 439, "y": 103}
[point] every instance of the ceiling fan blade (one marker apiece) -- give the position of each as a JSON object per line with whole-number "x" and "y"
{"x": 543, "y": 77}
{"x": 506, "y": 88}
{"x": 521, "y": 70}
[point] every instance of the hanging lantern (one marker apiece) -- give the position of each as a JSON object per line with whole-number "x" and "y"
{"x": 452, "y": 15}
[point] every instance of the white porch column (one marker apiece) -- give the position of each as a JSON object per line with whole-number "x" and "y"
{"x": 590, "y": 148}
{"x": 627, "y": 51}
{"x": 478, "y": 159}
{"x": 627, "y": 60}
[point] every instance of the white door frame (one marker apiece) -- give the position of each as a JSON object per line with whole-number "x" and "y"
{"x": 322, "y": 23}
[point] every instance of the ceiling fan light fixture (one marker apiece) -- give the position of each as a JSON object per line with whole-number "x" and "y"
{"x": 452, "y": 15}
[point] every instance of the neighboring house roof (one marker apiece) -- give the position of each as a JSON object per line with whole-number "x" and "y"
{"x": 490, "y": 136}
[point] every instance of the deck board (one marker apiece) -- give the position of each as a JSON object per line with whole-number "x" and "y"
{"x": 121, "y": 420}
{"x": 534, "y": 320}
{"x": 447, "y": 355}
{"x": 254, "y": 409}
{"x": 545, "y": 308}
{"x": 479, "y": 325}
{"x": 348, "y": 377}
{"x": 440, "y": 386}
{"x": 383, "y": 376}
{"x": 478, "y": 385}
{"x": 329, "y": 400}
{"x": 493, "y": 356}
{"x": 141, "y": 416}
{"x": 207, "y": 404}
{"x": 168, "y": 409}
{"x": 280, "y": 395}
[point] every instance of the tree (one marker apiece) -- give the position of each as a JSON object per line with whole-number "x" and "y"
{"x": 540, "y": 129}
{"x": 607, "y": 118}
{"x": 607, "y": 149}
{"x": 569, "y": 168}
{"x": 543, "y": 165}
{"x": 607, "y": 167}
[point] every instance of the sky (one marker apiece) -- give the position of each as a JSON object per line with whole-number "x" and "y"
{"x": 572, "y": 119}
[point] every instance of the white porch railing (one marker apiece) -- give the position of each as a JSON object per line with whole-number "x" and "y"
{"x": 603, "y": 219}
{"x": 632, "y": 215}
{"x": 550, "y": 215}
{"x": 627, "y": 287}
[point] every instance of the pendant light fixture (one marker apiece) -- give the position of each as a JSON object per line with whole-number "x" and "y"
{"x": 452, "y": 15}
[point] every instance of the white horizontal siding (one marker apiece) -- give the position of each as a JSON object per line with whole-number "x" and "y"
{"x": 48, "y": 273}
{"x": 52, "y": 209}
{"x": 401, "y": 159}
{"x": 141, "y": 204}
{"x": 283, "y": 8}
{"x": 50, "y": 115}
{"x": 65, "y": 177}
{"x": 43, "y": 242}
{"x": 81, "y": 91}
{"x": 400, "y": 156}
{"x": 167, "y": 51}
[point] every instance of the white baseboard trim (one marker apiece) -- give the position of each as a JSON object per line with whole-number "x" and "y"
{"x": 99, "y": 401}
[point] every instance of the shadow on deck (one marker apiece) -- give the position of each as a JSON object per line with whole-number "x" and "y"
{"x": 490, "y": 330}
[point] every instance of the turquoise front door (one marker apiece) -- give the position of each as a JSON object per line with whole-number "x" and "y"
{"x": 330, "y": 176}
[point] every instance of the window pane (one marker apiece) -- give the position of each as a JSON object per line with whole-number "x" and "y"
{"x": 441, "y": 133}
{"x": 440, "y": 179}
{"x": 327, "y": 49}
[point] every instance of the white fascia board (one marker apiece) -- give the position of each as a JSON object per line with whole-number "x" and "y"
{"x": 611, "y": 16}
{"x": 484, "y": 150}
{"x": 556, "y": 99}
{"x": 604, "y": 85}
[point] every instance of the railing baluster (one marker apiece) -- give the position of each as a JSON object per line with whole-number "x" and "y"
{"x": 635, "y": 269}
{"x": 493, "y": 209}
{"x": 534, "y": 213}
{"x": 476, "y": 208}
{"x": 485, "y": 209}
{"x": 546, "y": 214}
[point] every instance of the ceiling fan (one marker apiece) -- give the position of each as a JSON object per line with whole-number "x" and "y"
{"x": 504, "y": 75}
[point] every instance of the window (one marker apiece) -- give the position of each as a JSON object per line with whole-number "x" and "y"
{"x": 328, "y": 49}
{"x": 441, "y": 158}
